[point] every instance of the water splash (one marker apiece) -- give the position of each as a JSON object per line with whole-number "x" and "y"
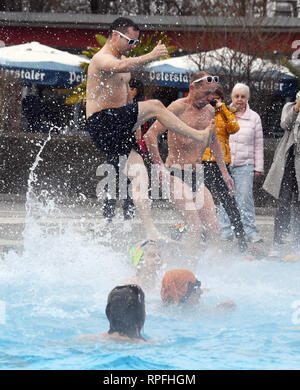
{"x": 37, "y": 206}
{"x": 58, "y": 246}
{"x": 57, "y": 289}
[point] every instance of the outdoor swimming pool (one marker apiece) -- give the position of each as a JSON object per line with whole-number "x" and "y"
{"x": 57, "y": 288}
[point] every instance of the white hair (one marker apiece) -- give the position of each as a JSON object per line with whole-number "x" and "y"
{"x": 240, "y": 86}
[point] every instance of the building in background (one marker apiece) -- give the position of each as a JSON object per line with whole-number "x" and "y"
{"x": 267, "y": 29}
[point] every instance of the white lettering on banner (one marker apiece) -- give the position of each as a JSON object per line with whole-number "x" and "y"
{"x": 76, "y": 78}
{"x": 25, "y": 74}
{"x": 36, "y": 75}
{"x": 152, "y": 76}
{"x": 172, "y": 77}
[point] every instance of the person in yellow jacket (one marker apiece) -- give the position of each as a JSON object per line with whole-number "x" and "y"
{"x": 226, "y": 124}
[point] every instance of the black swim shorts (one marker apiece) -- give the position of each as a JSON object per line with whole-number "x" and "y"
{"x": 111, "y": 130}
{"x": 192, "y": 177}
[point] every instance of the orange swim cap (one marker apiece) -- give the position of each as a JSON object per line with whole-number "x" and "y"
{"x": 175, "y": 285}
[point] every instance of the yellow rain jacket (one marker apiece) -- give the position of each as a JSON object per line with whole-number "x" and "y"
{"x": 226, "y": 124}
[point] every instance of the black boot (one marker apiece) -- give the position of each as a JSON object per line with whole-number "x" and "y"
{"x": 109, "y": 206}
{"x": 128, "y": 209}
{"x": 242, "y": 243}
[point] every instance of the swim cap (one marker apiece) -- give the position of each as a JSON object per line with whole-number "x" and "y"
{"x": 136, "y": 252}
{"x": 175, "y": 285}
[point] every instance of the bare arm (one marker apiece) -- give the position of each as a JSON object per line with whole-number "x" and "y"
{"x": 109, "y": 63}
{"x": 151, "y": 137}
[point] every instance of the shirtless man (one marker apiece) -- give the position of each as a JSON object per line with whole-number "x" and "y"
{"x": 113, "y": 119}
{"x": 195, "y": 111}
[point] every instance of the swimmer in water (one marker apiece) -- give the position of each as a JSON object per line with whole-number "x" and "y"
{"x": 125, "y": 311}
{"x": 180, "y": 286}
{"x": 146, "y": 258}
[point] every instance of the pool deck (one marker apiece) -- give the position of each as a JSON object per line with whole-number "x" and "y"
{"x": 85, "y": 217}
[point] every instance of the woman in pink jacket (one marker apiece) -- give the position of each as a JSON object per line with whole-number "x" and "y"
{"x": 247, "y": 162}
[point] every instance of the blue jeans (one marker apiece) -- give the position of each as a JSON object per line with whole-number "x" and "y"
{"x": 243, "y": 180}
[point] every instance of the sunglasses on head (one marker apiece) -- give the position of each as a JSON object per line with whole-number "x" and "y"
{"x": 130, "y": 40}
{"x": 209, "y": 79}
{"x": 192, "y": 287}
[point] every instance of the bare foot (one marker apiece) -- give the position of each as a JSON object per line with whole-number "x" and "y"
{"x": 207, "y": 136}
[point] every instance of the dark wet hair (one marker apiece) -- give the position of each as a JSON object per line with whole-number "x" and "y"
{"x": 122, "y": 25}
{"x": 134, "y": 83}
{"x": 125, "y": 310}
{"x": 219, "y": 91}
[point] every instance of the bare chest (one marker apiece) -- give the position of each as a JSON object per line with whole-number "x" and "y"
{"x": 197, "y": 119}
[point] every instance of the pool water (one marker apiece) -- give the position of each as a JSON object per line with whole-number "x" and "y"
{"x": 56, "y": 290}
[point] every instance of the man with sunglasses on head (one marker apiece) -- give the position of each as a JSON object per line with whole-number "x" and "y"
{"x": 184, "y": 160}
{"x": 112, "y": 117}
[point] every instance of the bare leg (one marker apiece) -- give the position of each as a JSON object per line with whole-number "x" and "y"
{"x": 198, "y": 212}
{"x": 138, "y": 175}
{"x": 208, "y": 215}
{"x": 182, "y": 196}
{"x": 154, "y": 108}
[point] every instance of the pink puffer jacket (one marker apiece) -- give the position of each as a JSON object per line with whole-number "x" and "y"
{"x": 247, "y": 145}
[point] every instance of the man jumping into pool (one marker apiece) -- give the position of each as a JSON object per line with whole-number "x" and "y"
{"x": 113, "y": 119}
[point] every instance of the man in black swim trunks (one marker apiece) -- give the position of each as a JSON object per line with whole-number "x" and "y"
{"x": 184, "y": 160}
{"x": 112, "y": 117}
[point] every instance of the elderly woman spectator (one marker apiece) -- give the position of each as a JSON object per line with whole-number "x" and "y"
{"x": 282, "y": 181}
{"x": 247, "y": 162}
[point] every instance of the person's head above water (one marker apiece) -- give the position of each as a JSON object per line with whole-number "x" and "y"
{"x": 180, "y": 286}
{"x": 125, "y": 310}
{"x": 146, "y": 255}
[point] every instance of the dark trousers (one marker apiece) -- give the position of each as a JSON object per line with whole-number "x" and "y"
{"x": 109, "y": 203}
{"x": 288, "y": 204}
{"x": 213, "y": 180}
{"x": 109, "y": 206}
